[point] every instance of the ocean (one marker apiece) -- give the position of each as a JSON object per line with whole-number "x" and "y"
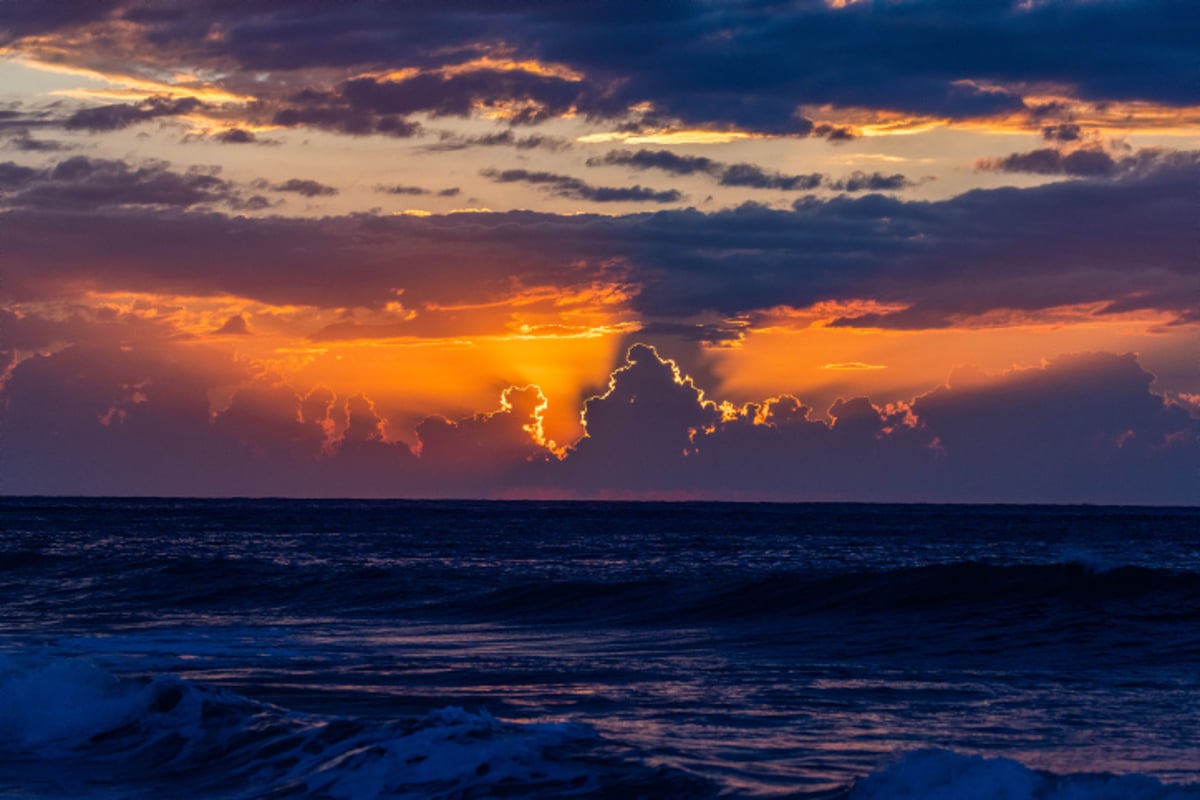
{"x": 353, "y": 649}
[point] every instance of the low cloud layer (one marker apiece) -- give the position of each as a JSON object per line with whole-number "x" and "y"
{"x": 118, "y": 420}
{"x": 1121, "y": 245}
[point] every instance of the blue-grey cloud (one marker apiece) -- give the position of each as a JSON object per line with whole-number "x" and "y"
{"x": 1124, "y": 240}
{"x": 745, "y": 175}
{"x": 567, "y": 186}
{"x": 236, "y": 136}
{"x": 122, "y": 115}
{"x": 81, "y": 183}
{"x": 448, "y": 141}
{"x": 114, "y": 417}
{"x": 749, "y": 65}
{"x": 305, "y": 187}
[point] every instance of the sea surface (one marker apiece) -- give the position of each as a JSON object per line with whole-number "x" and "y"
{"x": 278, "y": 649}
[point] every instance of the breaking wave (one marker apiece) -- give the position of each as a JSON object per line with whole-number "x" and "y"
{"x": 85, "y": 727}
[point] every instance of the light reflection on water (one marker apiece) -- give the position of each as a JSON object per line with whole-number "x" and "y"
{"x": 758, "y": 720}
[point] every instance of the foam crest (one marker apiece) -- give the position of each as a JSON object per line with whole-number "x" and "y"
{"x": 182, "y": 737}
{"x": 63, "y": 703}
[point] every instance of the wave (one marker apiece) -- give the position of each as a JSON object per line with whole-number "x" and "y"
{"x": 957, "y": 588}
{"x": 180, "y": 738}
{"x": 71, "y": 728}
{"x": 355, "y": 589}
{"x": 946, "y": 775}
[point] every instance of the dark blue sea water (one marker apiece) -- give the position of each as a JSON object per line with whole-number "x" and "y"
{"x": 271, "y": 649}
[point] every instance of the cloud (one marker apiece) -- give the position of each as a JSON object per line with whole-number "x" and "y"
{"x": 133, "y": 417}
{"x": 664, "y": 160}
{"x": 756, "y": 178}
{"x": 14, "y": 175}
{"x": 343, "y": 119}
{"x": 305, "y": 187}
{"x": 1085, "y": 162}
{"x": 80, "y": 183}
{"x": 400, "y": 189}
{"x": 122, "y": 115}
{"x": 452, "y": 141}
{"x": 1081, "y": 428}
{"x": 26, "y": 143}
{"x": 1063, "y": 132}
{"x": 1048, "y": 161}
{"x": 751, "y": 66}
{"x": 574, "y": 188}
{"x": 745, "y": 175}
{"x": 651, "y": 408}
{"x": 1007, "y": 249}
{"x": 235, "y": 326}
{"x": 712, "y": 334}
{"x": 468, "y": 452}
{"x": 367, "y": 105}
{"x": 236, "y": 136}
{"x": 859, "y": 181}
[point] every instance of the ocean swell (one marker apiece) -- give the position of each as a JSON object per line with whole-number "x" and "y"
{"x": 72, "y": 727}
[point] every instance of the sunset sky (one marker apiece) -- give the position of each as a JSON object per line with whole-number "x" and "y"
{"x": 917, "y": 250}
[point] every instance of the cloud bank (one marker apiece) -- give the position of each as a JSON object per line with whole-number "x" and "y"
{"x": 107, "y": 419}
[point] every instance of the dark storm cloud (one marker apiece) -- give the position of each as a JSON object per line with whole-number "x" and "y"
{"x": 82, "y": 183}
{"x": 745, "y": 175}
{"x": 574, "y": 188}
{"x": 1129, "y": 239}
{"x": 122, "y": 115}
{"x": 748, "y": 65}
{"x": 20, "y": 18}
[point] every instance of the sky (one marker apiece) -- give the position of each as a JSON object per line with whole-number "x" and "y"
{"x": 904, "y": 250}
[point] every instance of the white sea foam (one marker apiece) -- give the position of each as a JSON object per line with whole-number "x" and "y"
{"x": 451, "y": 750}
